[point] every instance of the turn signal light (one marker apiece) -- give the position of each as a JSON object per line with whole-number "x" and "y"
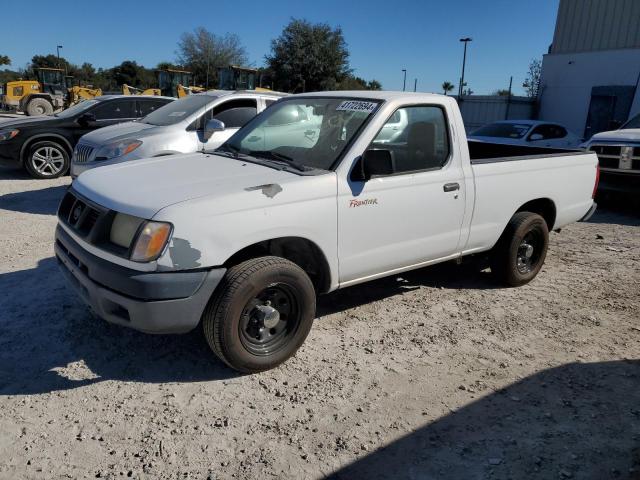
{"x": 152, "y": 239}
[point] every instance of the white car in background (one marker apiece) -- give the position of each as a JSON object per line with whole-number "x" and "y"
{"x": 531, "y": 133}
{"x": 166, "y": 131}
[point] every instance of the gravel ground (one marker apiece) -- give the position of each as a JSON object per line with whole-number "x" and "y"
{"x": 436, "y": 374}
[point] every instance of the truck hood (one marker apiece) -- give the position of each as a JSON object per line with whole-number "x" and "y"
{"x": 628, "y": 135}
{"x": 120, "y": 131}
{"x": 144, "y": 187}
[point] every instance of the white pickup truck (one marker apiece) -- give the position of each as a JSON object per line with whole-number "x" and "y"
{"x": 241, "y": 240}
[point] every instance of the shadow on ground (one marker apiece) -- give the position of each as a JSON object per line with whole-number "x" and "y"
{"x": 579, "y": 420}
{"x": 50, "y": 342}
{"x": 44, "y": 201}
{"x": 449, "y": 275}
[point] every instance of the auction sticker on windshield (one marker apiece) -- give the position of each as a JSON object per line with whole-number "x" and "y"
{"x": 357, "y": 106}
{"x": 177, "y": 114}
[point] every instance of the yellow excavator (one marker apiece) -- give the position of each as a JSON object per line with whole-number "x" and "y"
{"x": 49, "y": 92}
{"x": 129, "y": 90}
{"x": 171, "y": 83}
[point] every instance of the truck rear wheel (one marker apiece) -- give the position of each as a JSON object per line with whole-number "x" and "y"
{"x": 39, "y": 106}
{"x": 520, "y": 252}
{"x": 260, "y": 314}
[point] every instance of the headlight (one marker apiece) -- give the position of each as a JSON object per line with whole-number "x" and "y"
{"x": 117, "y": 149}
{"x": 8, "y": 134}
{"x": 151, "y": 241}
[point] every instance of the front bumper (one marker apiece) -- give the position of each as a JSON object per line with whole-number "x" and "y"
{"x": 159, "y": 302}
{"x": 619, "y": 182}
{"x": 10, "y": 153}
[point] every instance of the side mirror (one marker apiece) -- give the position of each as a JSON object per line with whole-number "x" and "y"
{"x": 86, "y": 118}
{"x": 212, "y": 126}
{"x": 535, "y": 137}
{"x": 374, "y": 162}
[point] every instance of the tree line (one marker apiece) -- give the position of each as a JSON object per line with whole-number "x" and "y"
{"x": 305, "y": 57}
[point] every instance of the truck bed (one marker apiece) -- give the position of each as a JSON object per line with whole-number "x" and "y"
{"x": 486, "y": 152}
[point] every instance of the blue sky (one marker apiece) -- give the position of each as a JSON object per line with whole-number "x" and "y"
{"x": 383, "y": 36}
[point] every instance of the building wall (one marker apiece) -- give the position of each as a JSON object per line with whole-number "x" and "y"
{"x": 588, "y": 25}
{"x": 567, "y": 82}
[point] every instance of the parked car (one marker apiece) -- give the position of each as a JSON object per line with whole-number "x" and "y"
{"x": 43, "y": 145}
{"x": 177, "y": 128}
{"x": 619, "y": 155}
{"x": 527, "y": 132}
{"x": 243, "y": 239}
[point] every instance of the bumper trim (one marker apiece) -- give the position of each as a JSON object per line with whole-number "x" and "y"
{"x": 176, "y": 308}
{"x": 590, "y": 213}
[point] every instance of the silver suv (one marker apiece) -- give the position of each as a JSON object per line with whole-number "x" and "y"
{"x": 178, "y": 127}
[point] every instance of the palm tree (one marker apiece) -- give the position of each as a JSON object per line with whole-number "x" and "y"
{"x": 447, "y": 87}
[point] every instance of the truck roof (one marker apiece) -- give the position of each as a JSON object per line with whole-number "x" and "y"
{"x": 374, "y": 94}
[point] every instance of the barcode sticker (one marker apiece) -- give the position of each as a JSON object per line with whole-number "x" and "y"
{"x": 357, "y": 106}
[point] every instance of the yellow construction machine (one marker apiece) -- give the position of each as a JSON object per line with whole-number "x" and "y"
{"x": 129, "y": 90}
{"x": 235, "y": 77}
{"x": 49, "y": 92}
{"x": 171, "y": 83}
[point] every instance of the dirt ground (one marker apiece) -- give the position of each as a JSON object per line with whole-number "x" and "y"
{"x": 435, "y": 374}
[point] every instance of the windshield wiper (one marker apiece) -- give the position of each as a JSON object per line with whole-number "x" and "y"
{"x": 271, "y": 155}
{"x": 231, "y": 149}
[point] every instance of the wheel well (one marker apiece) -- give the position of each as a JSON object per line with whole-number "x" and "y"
{"x": 304, "y": 253}
{"x": 543, "y": 207}
{"x": 45, "y": 138}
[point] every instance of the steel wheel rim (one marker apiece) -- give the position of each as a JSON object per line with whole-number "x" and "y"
{"x": 269, "y": 319}
{"x": 529, "y": 252}
{"x": 47, "y": 161}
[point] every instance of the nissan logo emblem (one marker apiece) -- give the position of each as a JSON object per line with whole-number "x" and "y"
{"x": 76, "y": 213}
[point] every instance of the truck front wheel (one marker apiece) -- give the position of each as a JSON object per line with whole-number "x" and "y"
{"x": 260, "y": 314}
{"x": 39, "y": 106}
{"x": 520, "y": 252}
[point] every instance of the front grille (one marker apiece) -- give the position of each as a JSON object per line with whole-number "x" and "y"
{"x": 611, "y": 157}
{"x": 82, "y": 153}
{"x": 607, "y": 150}
{"x": 78, "y": 214}
{"x": 89, "y": 221}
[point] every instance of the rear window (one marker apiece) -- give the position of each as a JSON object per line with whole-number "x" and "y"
{"x": 502, "y": 130}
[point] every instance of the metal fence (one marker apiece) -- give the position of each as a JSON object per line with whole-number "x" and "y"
{"x": 478, "y": 110}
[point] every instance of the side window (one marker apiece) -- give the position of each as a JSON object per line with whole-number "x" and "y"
{"x": 549, "y": 132}
{"x": 147, "y": 106}
{"x": 114, "y": 110}
{"x": 421, "y": 138}
{"x": 235, "y": 113}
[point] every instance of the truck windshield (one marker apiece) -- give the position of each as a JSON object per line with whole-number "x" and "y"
{"x": 178, "y": 110}
{"x": 308, "y": 132}
{"x": 633, "y": 123}
{"x": 502, "y": 130}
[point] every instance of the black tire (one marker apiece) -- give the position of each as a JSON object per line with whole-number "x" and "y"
{"x": 520, "y": 252}
{"x": 47, "y": 159}
{"x": 239, "y": 323}
{"x": 39, "y": 106}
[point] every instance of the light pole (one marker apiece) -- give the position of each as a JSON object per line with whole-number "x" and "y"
{"x": 404, "y": 81}
{"x": 415, "y": 84}
{"x": 58, "y": 47}
{"x": 464, "y": 62}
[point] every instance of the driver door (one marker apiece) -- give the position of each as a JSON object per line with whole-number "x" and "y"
{"x": 410, "y": 216}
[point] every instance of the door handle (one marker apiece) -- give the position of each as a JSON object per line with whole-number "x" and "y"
{"x": 450, "y": 187}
